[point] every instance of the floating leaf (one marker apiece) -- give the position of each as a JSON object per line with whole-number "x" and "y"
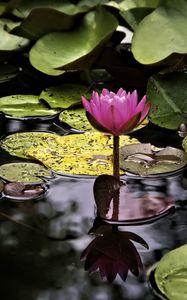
{"x": 144, "y": 160}
{"x": 2, "y": 8}
{"x": 41, "y": 21}
{"x": 135, "y": 15}
{"x": 64, "y": 96}
{"x": 16, "y": 144}
{"x": 23, "y": 172}
{"x": 92, "y": 3}
{"x": 10, "y": 42}
{"x": 8, "y": 24}
{"x": 171, "y": 274}
{"x": 173, "y": 39}
{"x": 184, "y": 144}
{"x": 93, "y": 151}
{"x": 78, "y": 49}
{"x": 24, "y": 106}
{"x": 168, "y": 96}
{"x": 130, "y": 4}
{"x": 26, "y": 7}
{"x": 133, "y": 11}
{"x": 76, "y": 118}
{"x": 1, "y": 186}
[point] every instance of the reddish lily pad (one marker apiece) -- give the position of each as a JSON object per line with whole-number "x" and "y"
{"x": 18, "y": 191}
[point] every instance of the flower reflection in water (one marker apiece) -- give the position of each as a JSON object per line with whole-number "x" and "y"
{"x": 112, "y": 252}
{"x": 140, "y": 201}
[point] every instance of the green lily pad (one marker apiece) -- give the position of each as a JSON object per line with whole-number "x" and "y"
{"x": 41, "y": 21}
{"x": 168, "y": 96}
{"x": 130, "y": 4}
{"x": 171, "y": 274}
{"x": 145, "y": 160}
{"x": 24, "y": 106}
{"x": 133, "y": 11}
{"x": 10, "y": 42}
{"x": 8, "y": 24}
{"x": 184, "y": 144}
{"x": 92, "y": 3}
{"x": 2, "y": 8}
{"x": 76, "y": 118}
{"x": 59, "y": 51}
{"x": 16, "y": 144}
{"x": 64, "y": 96}
{"x": 25, "y": 7}
{"x": 173, "y": 39}
{"x": 135, "y": 15}
{"x": 93, "y": 151}
{"x": 23, "y": 172}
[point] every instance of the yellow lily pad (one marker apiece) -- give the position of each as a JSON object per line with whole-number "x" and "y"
{"x": 89, "y": 153}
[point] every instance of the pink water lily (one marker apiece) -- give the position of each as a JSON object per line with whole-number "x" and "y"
{"x": 116, "y": 113}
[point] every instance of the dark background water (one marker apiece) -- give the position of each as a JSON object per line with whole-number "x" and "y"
{"x": 41, "y": 241}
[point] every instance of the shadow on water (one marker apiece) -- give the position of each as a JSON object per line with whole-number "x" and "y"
{"x": 41, "y": 242}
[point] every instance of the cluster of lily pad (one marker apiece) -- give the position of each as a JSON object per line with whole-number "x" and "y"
{"x": 45, "y": 39}
{"x": 42, "y": 40}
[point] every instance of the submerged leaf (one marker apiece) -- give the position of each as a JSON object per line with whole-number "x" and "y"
{"x": 171, "y": 274}
{"x": 89, "y": 153}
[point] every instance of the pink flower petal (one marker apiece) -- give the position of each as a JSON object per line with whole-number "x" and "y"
{"x": 134, "y": 99}
{"x": 141, "y": 104}
{"x": 86, "y": 103}
{"x": 130, "y": 124}
{"x": 95, "y": 98}
{"x": 144, "y": 112}
{"x": 121, "y": 93}
{"x": 105, "y": 92}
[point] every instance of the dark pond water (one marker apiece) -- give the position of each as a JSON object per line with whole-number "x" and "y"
{"x": 41, "y": 242}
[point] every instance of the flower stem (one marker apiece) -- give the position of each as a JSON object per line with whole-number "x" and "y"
{"x": 116, "y": 156}
{"x": 116, "y": 174}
